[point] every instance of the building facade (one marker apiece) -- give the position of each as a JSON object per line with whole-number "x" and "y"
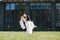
{"x": 44, "y": 13}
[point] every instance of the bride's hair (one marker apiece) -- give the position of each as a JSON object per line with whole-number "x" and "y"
{"x": 28, "y": 18}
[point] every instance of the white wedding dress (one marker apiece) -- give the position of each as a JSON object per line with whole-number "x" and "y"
{"x": 29, "y": 26}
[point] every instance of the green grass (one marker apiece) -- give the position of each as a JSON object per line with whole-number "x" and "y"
{"x": 25, "y": 36}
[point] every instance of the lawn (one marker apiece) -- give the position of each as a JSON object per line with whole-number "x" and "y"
{"x": 25, "y": 36}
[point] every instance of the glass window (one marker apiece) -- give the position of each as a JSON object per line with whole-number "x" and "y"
{"x": 11, "y": 6}
{"x": 38, "y": 0}
{"x": 17, "y": 6}
{"x": 45, "y": 6}
{"x": 7, "y": 6}
{"x": 26, "y": 0}
{"x": 45, "y": 0}
{"x": 58, "y": 6}
{"x": 35, "y": 6}
{"x": 40, "y": 5}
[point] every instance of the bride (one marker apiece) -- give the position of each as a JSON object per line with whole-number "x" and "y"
{"x": 25, "y": 22}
